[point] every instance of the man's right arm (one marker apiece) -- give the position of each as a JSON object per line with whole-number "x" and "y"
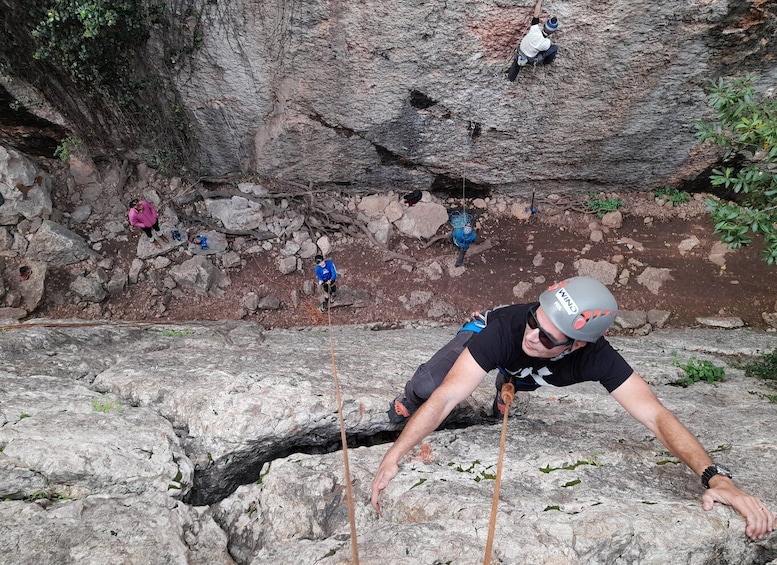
{"x": 538, "y": 9}
{"x": 461, "y": 380}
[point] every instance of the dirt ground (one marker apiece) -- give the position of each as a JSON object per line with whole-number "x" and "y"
{"x": 537, "y": 251}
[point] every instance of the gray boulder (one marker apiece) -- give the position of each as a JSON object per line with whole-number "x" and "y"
{"x": 57, "y": 245}
{"x": 25, "y": 189}
{"x": 422, "y": 220}
{"x": 88, "y": 289}
{"x": 200, "y": 275}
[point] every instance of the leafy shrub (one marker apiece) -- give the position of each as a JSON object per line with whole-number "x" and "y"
{"x": 93, "y": 40}
{"x": 673, "y": 195}
{"x": 764, "y": 368}
{"x": 697, "y": 371}
{"x": 66, "y": 147}
{"x": 600, "y": 206}
{"x": 746, "y": 129}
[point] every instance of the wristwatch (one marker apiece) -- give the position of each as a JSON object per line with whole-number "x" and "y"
{"x": 713, "y": 470}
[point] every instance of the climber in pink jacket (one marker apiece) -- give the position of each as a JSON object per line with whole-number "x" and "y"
{"x": 143, "y": 215}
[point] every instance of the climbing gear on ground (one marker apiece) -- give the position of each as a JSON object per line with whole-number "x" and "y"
{"x": 508, "y": 394}
{"x": 398, "y": 412}
{"x": 412, "y": 198}
{"x": 582, "y": 308}
{"x": 460, "y": 218}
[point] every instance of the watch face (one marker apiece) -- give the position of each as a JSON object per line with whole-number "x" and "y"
{"x": 723, "y": 470}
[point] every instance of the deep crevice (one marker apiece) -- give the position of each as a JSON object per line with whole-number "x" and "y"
{"x": 456, "y": 187}
{"x": 25, "y": 131}
{"x": 420, "y": 100}
{"x": 217, "y": 482}
{"x": 702, "y": 184}
{"x": 388, "y": 157}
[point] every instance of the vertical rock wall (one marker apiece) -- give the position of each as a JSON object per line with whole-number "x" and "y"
{"x": 387, "y": 93}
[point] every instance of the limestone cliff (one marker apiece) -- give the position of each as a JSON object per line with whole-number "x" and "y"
{"x": 209, "y": 444}
{"x": 412, "y": 94}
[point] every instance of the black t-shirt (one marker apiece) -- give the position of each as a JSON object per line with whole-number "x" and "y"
{"x": 498, "y": 345}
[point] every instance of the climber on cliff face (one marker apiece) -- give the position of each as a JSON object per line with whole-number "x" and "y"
{"x": 557, "y": 341}
{"x": 536, "y": 46}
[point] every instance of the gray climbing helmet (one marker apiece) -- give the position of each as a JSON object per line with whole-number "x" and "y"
{"x": 581, "y": 308}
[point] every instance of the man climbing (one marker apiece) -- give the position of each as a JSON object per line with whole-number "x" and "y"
{"x": 536, "y": 46}
{"x": 326, "y": 273}
{"x": 463, "y": 237}
{"x": 556, "y": 342}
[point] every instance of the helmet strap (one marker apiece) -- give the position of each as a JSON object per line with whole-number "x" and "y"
{"x": 563, "y": 354}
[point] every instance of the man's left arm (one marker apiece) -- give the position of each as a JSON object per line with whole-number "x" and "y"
{"x": 639, "y": 401}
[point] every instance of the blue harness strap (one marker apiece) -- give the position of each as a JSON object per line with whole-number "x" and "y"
{"x": 475, "y": 326}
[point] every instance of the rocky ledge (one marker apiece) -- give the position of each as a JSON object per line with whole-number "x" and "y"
{"x": 218, "y": 443}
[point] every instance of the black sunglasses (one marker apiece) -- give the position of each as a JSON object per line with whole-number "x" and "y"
{"x": 545, "y": 339}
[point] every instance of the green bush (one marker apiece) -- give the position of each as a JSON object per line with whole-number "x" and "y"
{"x": 600, "y": 206}
{"x": 66, "y": 147}
{"x": 764, "y": 368}
{"x": 746, "y": 128}
{"x": 698, "y": 371}
{"x": 673, "y": 195}
{"x": 94, "y": 41}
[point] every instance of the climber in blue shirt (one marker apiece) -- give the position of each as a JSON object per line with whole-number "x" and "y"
{"x": 326, "y": 273}
{"x": 463, "y": 237}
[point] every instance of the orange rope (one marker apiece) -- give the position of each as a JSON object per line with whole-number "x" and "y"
{"x": 508, "y": 393}
{"x": 347, "y": 472}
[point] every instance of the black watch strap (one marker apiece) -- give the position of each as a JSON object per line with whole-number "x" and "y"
{"x": 713, "y": 470}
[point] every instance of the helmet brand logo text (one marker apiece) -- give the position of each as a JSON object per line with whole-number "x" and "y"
{"x": 566, "y": 302}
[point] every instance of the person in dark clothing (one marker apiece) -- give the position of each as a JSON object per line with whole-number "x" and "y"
{"x": 558, "y": 341}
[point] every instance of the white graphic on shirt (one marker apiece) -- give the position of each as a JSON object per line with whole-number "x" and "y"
{"x": 528, "y": 372}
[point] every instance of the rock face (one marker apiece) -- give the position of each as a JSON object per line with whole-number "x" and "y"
{"x": 206, "y": 444}
{"x": 406, "y": 94}
{"x": 386, "y": 94}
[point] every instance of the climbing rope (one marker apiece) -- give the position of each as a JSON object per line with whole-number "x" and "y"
{"x": 346, "y": 470}
{"x": 508, "y": 393}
